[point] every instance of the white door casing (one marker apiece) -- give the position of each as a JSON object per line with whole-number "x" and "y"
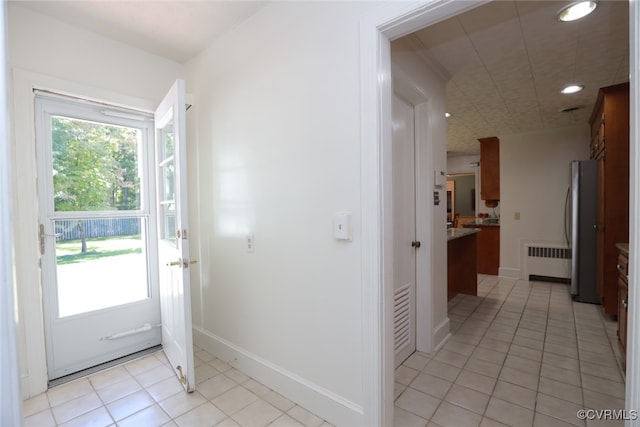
{"x": 404, "y": 229}
{"x": 173, "y": 234}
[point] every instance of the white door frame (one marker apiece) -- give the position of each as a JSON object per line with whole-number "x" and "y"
{"x": 34, "y": 376}
{"x": 10, "y": 399}
{"x": 376, "y": 32}
{"x": 633, "y": 322}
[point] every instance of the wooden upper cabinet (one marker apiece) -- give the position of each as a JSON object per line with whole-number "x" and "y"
{"x": 490, "y": 168}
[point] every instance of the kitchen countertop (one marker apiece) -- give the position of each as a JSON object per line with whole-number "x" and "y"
{"x": 456, "y": 233}
{"x": 481, "y": 224}
{"x": 624, "y": 247}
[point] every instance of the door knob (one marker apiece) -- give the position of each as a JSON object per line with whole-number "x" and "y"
{"x": 184, "y": 263}
{"x": 415, "y": 244}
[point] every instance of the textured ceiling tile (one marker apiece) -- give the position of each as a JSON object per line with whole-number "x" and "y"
{"x": 457, "y": 56}
{"x": 441, "y": 33}
{"x": 509, "y": 60}
{"x": 487, "y": 16}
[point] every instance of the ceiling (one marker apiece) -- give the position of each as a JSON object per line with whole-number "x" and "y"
{"x": 174, "y": 29}
{"x": 507, "y": 60}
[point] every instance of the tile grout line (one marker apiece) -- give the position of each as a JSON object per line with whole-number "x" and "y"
{"x": 494, "y": 316}
{"x": 484, "y": 413}
{"x": 544, "y": 343}
{"x": 575, "y": 321}
{"x": 432, "y": 358}
{"x": 555, "y": 305}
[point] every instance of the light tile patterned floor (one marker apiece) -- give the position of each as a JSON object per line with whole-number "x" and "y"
{"x": 146, "y": 393}
{"x": 521, "y": 354}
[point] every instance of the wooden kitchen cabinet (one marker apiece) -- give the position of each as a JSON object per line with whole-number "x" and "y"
{"x": 623, "y": 299}
{"x": 610, "y": 147}
{"x": 489, "y": 168}
{"x": 597, "y": 135}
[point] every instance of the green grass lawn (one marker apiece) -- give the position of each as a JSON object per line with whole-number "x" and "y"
{"x": 69, "y": 252}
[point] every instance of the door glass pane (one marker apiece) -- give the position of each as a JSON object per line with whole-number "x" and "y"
{"x": 95, "y": 166}
{"x": 100, "y": 263}
{"x": 168, "y": 214}
{"x": 167, "y": 190}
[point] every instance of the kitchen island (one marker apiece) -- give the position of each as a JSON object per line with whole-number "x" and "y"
{"x": 488, "y": 246}
{"x": 462, "y": 271}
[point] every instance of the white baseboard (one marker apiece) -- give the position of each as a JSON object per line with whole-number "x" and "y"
{"x": 324, "y": 403}
{"x": 441, "y": 334}
{"x": 509, "y": 273}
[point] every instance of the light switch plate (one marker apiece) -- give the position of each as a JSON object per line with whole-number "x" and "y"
{"x": 342, "y": 226}
{"x": 250, "y": 243}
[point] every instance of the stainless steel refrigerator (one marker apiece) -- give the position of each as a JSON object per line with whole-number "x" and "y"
{"x": 582, "y": 235}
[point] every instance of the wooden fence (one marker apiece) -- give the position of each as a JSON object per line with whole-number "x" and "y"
{"x": 71, "y": 229}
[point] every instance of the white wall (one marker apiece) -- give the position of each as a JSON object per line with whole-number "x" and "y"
{"x": 44, "y": 45}
{"x": 50, "y": 54}
{"x": 275, "y": 152}
{"x": 463, "y": 164}
{"x": 534, "y": 177}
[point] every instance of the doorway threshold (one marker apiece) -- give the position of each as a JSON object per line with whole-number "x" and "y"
{"x": 103, "y": 366}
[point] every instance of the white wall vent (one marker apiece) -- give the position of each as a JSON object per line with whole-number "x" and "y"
{"x": 402, "y": 318}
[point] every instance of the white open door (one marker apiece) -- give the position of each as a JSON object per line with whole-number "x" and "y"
{"x": 173, "y": 234}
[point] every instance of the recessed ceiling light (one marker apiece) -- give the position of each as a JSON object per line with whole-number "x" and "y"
{"x": 447, "y": 115}
{"x": 571, "y": 89}
{"x": 576, "y": 10}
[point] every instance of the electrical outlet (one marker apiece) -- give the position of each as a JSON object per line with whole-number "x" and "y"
{"x": 250, "y": 243}
{"x": 516, "y": 216}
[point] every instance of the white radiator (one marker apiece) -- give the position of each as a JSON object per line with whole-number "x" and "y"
{"x": 547, "y": 261}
